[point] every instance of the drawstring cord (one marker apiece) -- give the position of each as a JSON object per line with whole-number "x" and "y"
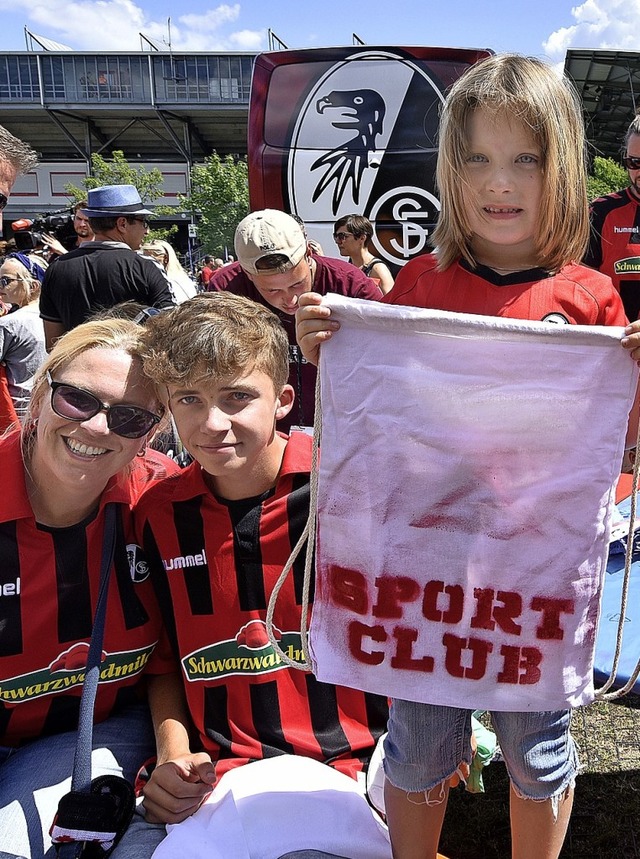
{"x": 308, "y": 536}
{"x": 602, "y": 694}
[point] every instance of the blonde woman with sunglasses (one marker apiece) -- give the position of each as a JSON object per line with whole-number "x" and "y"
{"x": 78, "y": 462}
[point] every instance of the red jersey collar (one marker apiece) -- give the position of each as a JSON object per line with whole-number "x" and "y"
{"x": 296, "y": 460}
{"x": 14, "y": 502}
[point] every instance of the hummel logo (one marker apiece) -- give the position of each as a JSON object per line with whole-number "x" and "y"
{"x": 10, "y": 589}
{"x": 182, "y": 561}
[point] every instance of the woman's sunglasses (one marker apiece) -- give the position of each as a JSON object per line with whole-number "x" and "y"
{"x": 75, "y": 404}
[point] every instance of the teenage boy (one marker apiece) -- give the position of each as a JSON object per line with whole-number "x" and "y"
{"x": 217, "y": 538}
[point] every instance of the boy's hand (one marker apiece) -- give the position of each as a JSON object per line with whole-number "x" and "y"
{"x": 313, "y": 325}
{"x": 631, "y": 340}
{"x": 178, "y": 788}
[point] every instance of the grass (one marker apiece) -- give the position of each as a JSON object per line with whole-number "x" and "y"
{"x": 606, "y": 815}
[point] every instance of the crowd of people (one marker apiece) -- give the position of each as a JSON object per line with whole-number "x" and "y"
{"x": 111, "y": 345}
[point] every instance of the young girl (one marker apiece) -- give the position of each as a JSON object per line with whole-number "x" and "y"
{"x": 511, "y": 176}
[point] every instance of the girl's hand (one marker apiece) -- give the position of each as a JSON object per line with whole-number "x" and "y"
{"x": 313, "y": 325}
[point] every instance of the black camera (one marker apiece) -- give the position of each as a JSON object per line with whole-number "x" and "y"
{"x": 28, "y": 233}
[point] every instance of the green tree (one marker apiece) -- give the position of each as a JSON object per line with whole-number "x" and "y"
{"x": 606, "y": 176}
{"x": 220, "y": 198}
{"x": 118, "y": 171}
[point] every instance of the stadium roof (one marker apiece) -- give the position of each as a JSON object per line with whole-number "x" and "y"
{"x": 608, "y": 83}
{"x": 43, "y": 42}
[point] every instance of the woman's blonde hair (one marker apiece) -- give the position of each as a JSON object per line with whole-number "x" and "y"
{"x": 528, "y": 90}
{"x": 31, "y": 276}
{"x": 118, "y": 334}
{"x": 173, "y": 269}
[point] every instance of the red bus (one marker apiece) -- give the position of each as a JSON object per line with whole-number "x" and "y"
{"x": 336, "y": 131}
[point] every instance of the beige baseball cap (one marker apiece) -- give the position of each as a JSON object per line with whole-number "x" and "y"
{"x": 265, "y": 233}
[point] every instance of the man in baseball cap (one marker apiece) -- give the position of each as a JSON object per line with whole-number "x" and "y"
{"x": 275, "y": 266}
{"x": 269, "y": 242}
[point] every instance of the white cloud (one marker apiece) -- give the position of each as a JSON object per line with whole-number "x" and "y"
{"x": 100, "y": 25}
{"x": 248, "y": 40}
{"x": 115, "y": 25}
{"x": 599, "y": 25}
{"x": 212, "y": 18}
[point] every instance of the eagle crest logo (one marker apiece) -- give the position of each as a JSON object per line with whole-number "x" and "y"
{"x": 361, "y": 111}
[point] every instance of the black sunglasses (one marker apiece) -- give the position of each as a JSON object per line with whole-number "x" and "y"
{"x": 3, "y": 201}
{"x": 5, "y": 280}
{"x": 340, "y": 237}
{"x": 631, "y": 163}
{"x": 75, "y": 404}
{"x": 144, "y": 221}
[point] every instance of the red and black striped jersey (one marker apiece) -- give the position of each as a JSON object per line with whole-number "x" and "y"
{"x": 576, "y": 295}
{"x": 214, "y": 564}
{"x": 49, "y": 579}
{"x": 614, "y": 246}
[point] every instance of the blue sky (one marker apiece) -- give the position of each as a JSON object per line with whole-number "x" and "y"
{"x": 545, "y": 28}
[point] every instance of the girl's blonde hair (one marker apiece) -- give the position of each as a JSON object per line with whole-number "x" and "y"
{"x": 528, "y": 90}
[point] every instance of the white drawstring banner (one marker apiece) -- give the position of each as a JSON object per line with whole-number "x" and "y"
{"x": 464, "y": 500}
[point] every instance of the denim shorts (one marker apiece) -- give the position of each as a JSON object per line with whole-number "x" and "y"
{"x": 426, "y": 743}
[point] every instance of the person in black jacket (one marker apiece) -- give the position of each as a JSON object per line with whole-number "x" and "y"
{"x": 106, "y": 271}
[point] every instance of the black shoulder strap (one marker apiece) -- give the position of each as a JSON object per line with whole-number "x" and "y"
{"x": 367, "y": 268}
{"x": 98, "y": 806}
{"x": 81, "y": 777}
